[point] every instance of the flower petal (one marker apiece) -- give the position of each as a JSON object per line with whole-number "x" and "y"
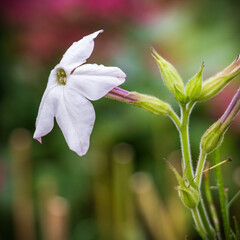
{"x": 75, "y": 116}
{"x": 45, "y": 118}
{"x": 79, "y": 51}
{"x": 95, "y": 81}
{"x": 52, "y": 79}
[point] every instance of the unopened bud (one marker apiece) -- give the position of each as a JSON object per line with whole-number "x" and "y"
{"x": 146, "y": 102}
{"x": 232, "y": 110}
{"x": 151, "y": 104}
{"x": 215, "y": 84}
{"x": 188, "y": 193}
{"x": 179, "y": 95}
{"x": 194, "y": 86}
{"x": 213, "y": 137}
{"x": 122, "y": 95}
{"x": 189, "y": 196}
{"x": 170, "y": 76}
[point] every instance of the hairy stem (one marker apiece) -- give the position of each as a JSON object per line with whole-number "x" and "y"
{"x": 187, "y": 161}
{"x": 198, "y": 221}
{"x": 200, "y": 212}
{"x": 206, "y": 222}
{"x": 175, "y": 119}
{"x": 200, "y": 167}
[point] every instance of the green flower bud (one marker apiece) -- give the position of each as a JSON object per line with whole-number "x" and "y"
{"x": 212, "y": 138}
{"x": 215, "y": 84}
{"x": 188, "y": 193}
{"x": 194, "y": 86}
{"x": 170, "y": 75}
{"x": 151, "y": 104}
{"x": 189, "y": 196}
{"x": 179, "y": 95}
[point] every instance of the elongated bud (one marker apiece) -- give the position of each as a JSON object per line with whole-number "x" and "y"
{"x": 232, "y": 110}
{"x": 188, "y": 193}
{"x": 215, "y": 84}
{"x": 213, "y": 137}
{"x": 122, "y": 95}
{"x": 194, "y": 86}
{"x": 146, "y": 102}
{"x": 152, "y": 104}
{"x": 170, "y": 76}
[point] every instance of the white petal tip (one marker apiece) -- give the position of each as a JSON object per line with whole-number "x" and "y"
{"x": 38, "y": 139}
{"x": 80, "y": 151}
{"x": 95, "y": 34}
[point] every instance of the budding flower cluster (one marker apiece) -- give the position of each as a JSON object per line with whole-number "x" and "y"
{"x": 196, "y": 89}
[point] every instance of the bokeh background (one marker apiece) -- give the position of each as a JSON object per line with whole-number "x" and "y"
{"x": 123, "y": 188}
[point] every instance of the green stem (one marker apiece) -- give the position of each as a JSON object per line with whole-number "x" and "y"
{"x": 198, "y": 176}
{"x": 233, "y": 199}
{"x": 200, "y": 167}
{"x": 205, "y": 220}
{"x": 211, "y": 204}
{"x": 187, "y": 162}
{"x": 222, "y": 196}
{"x": 200, "y": 212}
{"x": 236, "y": 227}
{"x": 198, "y": 221}
{"x": 175, "y": 119}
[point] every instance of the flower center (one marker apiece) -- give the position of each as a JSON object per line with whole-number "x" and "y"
{"x": 61, "y": 76}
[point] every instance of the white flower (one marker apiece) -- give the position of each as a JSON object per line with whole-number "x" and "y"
{"x": 70, "y": 87}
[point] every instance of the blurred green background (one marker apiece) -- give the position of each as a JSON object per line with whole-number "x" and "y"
{"x": 122, "y": 189}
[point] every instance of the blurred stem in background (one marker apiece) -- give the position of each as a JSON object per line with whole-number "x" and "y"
{"x": 20, "y": 144}
{"x": 101, "y": 194}
{"x": 124, "y": 219}
{"x": 57, "y": 219}
{"x": 222, "y": 196}
{"x": 47, "y": 191}
{"x": 151, "y": 207}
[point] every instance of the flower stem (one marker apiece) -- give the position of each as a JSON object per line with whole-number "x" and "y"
{"x": 175, "y": 119}
{"x": 222, "y": 196}
{"x": 198, "y": 221}
{"x": 199, "y": 214}
{"x": 205, "y": 220}
{"x": 211, "y": 204}
{"x": 187, "y": 162}
{"x": 200, "y": 167}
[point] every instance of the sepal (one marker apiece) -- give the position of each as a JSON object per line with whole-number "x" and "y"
{"x": 194, "y": 86}
{"x": 169, "y": 74}
{"x": 217, "y": 83}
